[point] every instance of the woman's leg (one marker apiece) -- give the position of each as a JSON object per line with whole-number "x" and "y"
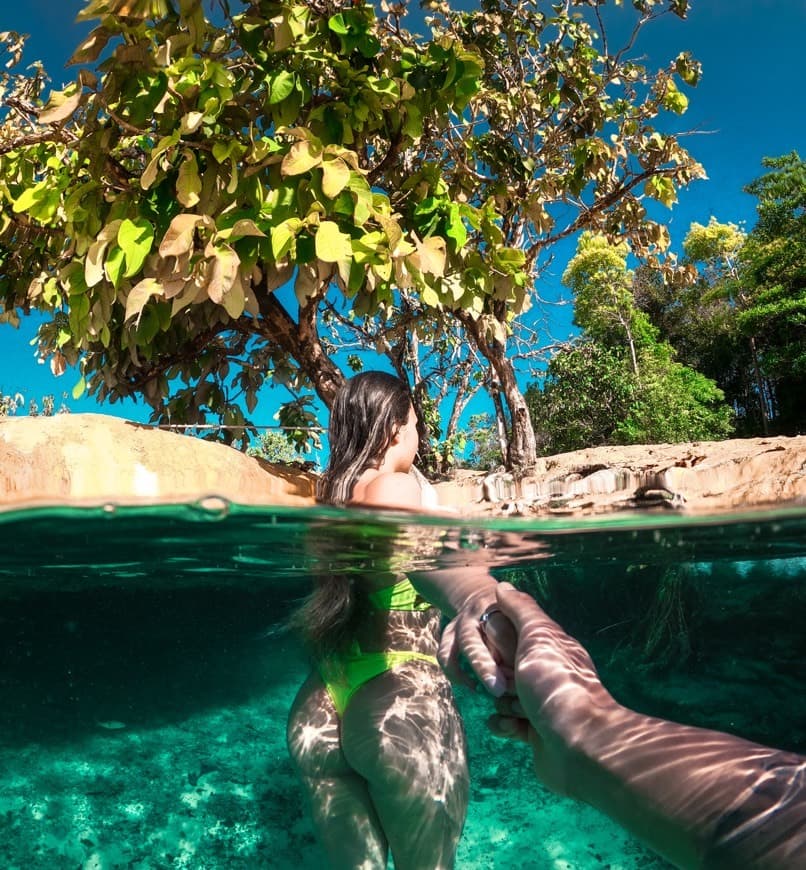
{"x": 402, "y": 733}
{"x": 343, "y": 812}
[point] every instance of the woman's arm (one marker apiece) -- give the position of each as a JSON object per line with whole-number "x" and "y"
{"x": 462, "y": 591}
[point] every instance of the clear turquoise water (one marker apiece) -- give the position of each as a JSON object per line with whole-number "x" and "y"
{"x": 145, "y": 671}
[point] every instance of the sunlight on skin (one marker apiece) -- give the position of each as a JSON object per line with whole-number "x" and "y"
{"x": 394, "y": 767}
{"x": 700, "y": 798}
{"x": 415, "y": 752}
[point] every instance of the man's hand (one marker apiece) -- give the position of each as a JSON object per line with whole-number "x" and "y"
{"x": 559, "y": 694}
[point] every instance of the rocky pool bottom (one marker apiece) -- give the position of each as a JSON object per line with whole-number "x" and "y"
{"x": 146, "y": 677}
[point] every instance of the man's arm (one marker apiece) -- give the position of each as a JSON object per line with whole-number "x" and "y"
{"x": 700, "y": 798}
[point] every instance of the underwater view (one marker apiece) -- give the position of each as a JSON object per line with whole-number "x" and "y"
{"x": 148, "y": 670}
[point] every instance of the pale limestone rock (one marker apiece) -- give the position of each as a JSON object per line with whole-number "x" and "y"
{"x": 95, "y": 459}
{"x": 698, "y": 477}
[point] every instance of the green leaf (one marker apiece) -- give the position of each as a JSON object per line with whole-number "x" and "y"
{"x": 80, "y": 388}
{"x": 662, "y": 189}
{"x": 148, "y": 326}
{"x": 335, "y": 175}
{"x": 135, "y": 238}
{"x": 282, "y": 237}
{"x": 687, "y": 68}
{"x": 280, "y": 86}
{"x": 234, "y": 300}
{"x": 430, "y": 297}
{"x": 338, "y": 24}
{"x": 455, "y": 228}
{"x": 113, "y": 266}
{"x": 674, "y": 100}
{"x": 188, "y": 183}
{"x": 245, "y": 227}
{"x": 302, "y": 157}
{"x": 30, "y": 197}
{"x": 413, "y": 122}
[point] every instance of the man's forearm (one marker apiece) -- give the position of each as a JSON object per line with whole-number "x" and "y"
{"x": 700, "y": 798}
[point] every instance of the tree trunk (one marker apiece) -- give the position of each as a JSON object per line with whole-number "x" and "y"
{"x": 522, "y": 448}
{"x": 762, "y": 399}
{"x": 301, "y": 342}
{"x": 500, "y": 416}
{"x": 426, "y": 458}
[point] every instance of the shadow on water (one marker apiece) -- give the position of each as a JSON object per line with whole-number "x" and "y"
{"x": 74, "y": 662}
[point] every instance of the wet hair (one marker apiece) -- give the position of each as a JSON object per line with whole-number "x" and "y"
{"x": 363, "y": 420}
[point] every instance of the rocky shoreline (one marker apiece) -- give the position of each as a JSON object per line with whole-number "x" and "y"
{"x": 93, "y": 458}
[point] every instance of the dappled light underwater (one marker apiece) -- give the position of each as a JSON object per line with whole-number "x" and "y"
{"x": 147, "y": 671}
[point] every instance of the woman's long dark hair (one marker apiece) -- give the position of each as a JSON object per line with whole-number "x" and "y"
{"x": 363, "y": 420}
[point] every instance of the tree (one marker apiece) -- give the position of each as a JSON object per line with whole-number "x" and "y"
{"x": 739, "y": 313}
{"x": 604, "y": 306}
{"x": 160, "y": 202}
{"x": 485, "y": 452}
{"x": 564, "y": 139}
{"x": 587, "y": 390}
{"x": 773, "y": 261}
{"x": 716, "y": 248}
{"x": 157, "y": 205}
{"x": 275, "y": 447}
{"x": 618, "y": 383}
{"x": 10, "y": 404}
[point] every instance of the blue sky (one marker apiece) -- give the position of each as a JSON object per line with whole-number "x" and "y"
{"x": 749, "y": 104}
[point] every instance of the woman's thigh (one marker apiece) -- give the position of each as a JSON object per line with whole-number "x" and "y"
{"x": 403, "y": 734}
{"x": 343, "y": 811}
{"x": 314, "y": 732}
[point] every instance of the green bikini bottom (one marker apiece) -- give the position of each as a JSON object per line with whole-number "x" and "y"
{"x": 345, "y": 676}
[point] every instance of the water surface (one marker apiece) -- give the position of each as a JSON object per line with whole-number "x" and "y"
{"x": 146, "y": 672}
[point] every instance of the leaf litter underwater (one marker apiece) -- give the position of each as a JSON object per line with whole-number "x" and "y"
{"x": 147, "y": 670}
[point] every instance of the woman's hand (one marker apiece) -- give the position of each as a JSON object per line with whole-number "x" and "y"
{"x": 463, "y": 637}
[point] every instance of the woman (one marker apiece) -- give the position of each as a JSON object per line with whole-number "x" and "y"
{"x": 374, "y": 731}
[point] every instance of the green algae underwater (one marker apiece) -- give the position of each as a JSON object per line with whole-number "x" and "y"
{"x": 146, "y": 669}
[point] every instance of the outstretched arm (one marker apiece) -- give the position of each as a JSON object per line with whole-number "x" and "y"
{"x": 462, "y": 591}
{"x": 700, "y": 798}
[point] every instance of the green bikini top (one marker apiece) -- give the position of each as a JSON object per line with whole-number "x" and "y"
{"x": 401, "y": 596}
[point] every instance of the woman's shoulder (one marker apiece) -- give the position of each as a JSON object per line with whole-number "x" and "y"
{"x": 391, "y": 489}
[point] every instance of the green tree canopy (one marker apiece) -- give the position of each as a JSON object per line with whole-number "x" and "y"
{"x": 739, "y": 315}
{"x": 197, "y": 163}
{"x": 774, "y": 271}
{"x": 619, "y": 383}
